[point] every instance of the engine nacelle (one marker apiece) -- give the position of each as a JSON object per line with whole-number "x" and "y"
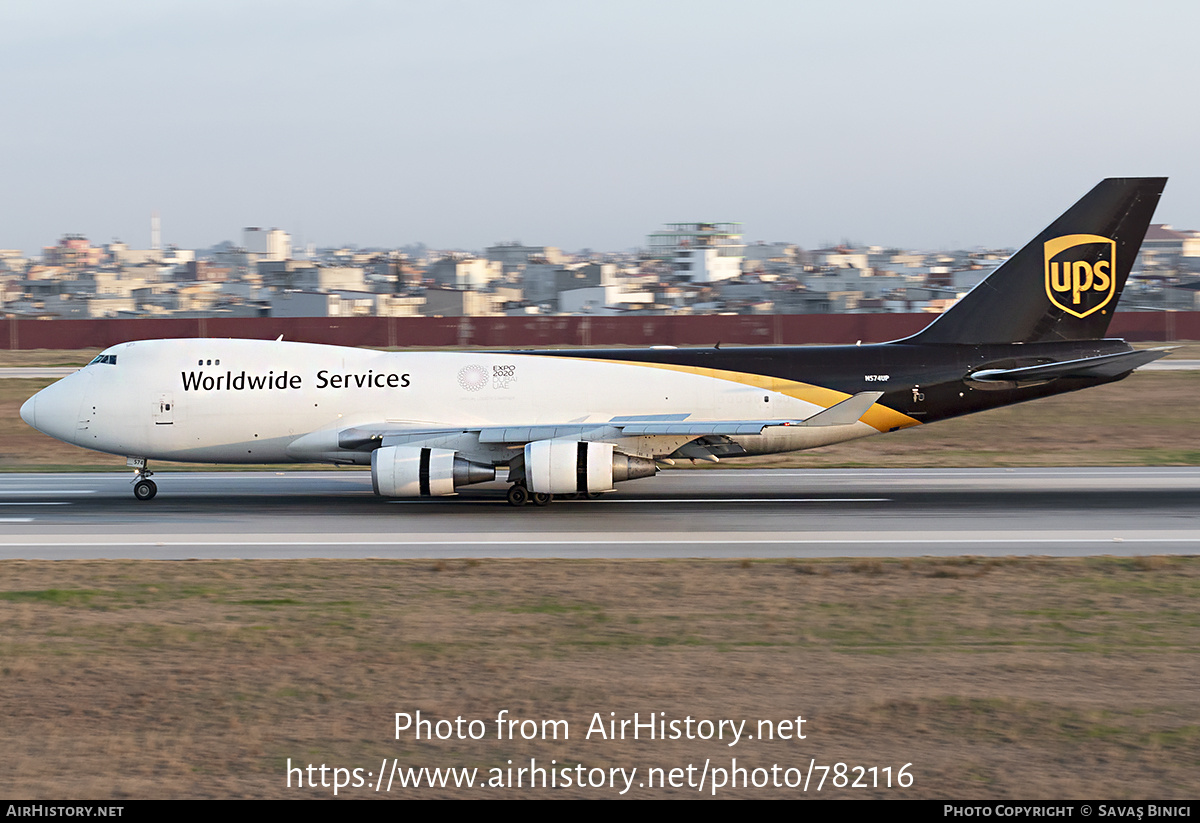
{"x": 569, "y": 466}
{"x": 414, "y": 471}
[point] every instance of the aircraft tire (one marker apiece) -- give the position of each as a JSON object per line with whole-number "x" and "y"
{"x": 518, "y": 495}
{"x": 541, "y": 498}
{"x": 145, "y": 490}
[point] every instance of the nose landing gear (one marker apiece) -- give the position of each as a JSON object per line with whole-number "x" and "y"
{"x": 143, "y": 487}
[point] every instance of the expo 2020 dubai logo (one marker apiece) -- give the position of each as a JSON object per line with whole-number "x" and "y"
{"x": 472, "y": 378}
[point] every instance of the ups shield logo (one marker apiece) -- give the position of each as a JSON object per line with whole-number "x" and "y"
{"x": 1080, "y": 272}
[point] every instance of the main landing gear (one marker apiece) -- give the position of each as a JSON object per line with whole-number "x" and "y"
{"x": 518, "y": 495}
{"x": 143, "y": 487}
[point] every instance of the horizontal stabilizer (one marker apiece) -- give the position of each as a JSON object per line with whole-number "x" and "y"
{"x": 1107, "y": 365}
{"x": 847, "y": 412}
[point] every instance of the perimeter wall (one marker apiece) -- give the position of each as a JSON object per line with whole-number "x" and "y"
{"x": 503, "y": 332}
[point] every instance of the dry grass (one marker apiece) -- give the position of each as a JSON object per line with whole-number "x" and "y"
{"x": 997, "y": 678}
{"x": 47, "y": 357}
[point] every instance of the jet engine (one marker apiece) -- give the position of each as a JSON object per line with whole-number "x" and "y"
{"x": 570, "y": 466}
{"x": 413, "y": 471}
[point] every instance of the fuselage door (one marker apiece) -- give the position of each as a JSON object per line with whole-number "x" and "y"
{"x": 164, "y": 414}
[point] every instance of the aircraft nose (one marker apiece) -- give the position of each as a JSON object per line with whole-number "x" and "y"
{"x": 29, "y": 411}
{"x": 55, "y": 409}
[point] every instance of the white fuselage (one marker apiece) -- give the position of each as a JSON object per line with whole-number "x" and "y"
{"x": 251, "y": 401}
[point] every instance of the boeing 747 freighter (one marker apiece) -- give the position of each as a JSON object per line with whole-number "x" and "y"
{"x": 578, "y": 422}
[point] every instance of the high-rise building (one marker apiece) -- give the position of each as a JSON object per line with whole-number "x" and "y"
{"x": 704, "y": 252}
{"x": 72, "y": 252}
{"x": 267, "y": 244}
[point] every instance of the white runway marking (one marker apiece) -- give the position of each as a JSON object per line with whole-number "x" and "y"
{"x": 711, "y": 501}
{"x": 37, "y": 503}
{"x": 707, "y": 500}
{"x": 47, "y": 492}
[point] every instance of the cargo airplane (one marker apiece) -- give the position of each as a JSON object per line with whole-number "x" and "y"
{"x": 577, "y": 422}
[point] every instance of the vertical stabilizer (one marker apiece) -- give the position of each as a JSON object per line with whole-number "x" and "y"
{"x": 1066, "y": 283}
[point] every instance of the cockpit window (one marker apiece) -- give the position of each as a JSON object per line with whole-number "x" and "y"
{"x": 110, "y": 359}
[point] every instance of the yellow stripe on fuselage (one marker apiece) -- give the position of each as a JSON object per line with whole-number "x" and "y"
{"x": 878, "y": 417}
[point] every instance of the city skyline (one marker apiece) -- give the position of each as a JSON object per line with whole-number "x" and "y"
{"x": 460, "y": 125}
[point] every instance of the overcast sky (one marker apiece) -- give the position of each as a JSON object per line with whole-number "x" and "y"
{"x": 586, "y": 124}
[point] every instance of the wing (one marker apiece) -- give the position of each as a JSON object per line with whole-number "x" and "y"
{"x": 359, "y": 438}
{"x": 415, "y": 460}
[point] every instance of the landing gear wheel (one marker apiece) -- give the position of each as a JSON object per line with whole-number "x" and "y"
{"x": 542, "y": 498}
{"x": 145, "y": 490}
{"x": 517, "y": 495}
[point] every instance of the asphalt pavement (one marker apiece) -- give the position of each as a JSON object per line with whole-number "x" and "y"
{"x": 680, "y": 513}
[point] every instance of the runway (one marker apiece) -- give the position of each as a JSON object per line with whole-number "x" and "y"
{"x": 719, "y": 513}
